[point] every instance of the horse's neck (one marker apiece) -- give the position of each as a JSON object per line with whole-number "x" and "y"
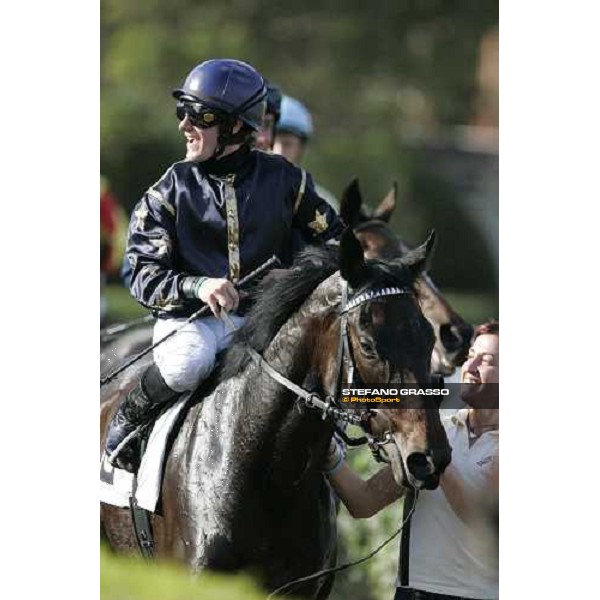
{"x": 290, "y": 349}
{"x": 250, "y": 449}
{"x": 291, "y": 353}
{"x": 272, "y": 433}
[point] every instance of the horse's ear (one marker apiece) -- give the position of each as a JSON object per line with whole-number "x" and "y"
{"x": 352, "y": 259}
{"x": 418, "y": 260}
{"x": 387, "y": 206}
{"x": 351, "y": 204}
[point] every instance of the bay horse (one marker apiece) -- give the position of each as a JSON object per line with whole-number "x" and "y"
{"x": 453, "y": 334}
{"x": 242, "y": 487}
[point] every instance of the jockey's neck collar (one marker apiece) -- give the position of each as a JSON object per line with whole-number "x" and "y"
{"x": 232, "y": 163}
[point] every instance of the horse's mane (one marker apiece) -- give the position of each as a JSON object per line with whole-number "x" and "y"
{"x": 276, "y": 300}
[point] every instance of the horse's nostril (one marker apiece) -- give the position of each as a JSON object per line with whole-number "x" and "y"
{"x": 419, "y": 465}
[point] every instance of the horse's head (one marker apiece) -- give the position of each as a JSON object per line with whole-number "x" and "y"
{"x": 391, "y": 342}
{"x": 453, "y": 334}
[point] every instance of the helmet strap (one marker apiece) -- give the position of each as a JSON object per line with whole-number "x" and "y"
{"x": 227, "y": 137}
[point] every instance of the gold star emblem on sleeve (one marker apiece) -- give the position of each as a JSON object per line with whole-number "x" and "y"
{"x": 319, "y": 225}
{"x": 140, "y": 215}
{"x": 162, "y": 245}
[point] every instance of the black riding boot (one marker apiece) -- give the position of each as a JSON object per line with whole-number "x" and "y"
{"x": 140, "y": 407}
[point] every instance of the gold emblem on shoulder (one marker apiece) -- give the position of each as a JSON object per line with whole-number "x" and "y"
{"x": 162, "y": 245}
{"x": 140, "y": 215}
{"x": 319, "y": 225}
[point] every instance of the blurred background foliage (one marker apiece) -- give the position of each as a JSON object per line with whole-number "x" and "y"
{"x": 404, "y": 90}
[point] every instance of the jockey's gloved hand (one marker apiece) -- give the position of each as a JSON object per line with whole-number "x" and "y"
{"x": 334, "y": 459}
{"x": 219, "y": 294}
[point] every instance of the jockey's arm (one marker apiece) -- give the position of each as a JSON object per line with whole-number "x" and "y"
{"x": 151, "y": 244}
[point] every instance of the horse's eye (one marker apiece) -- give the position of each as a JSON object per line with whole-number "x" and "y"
{"x": 366, "y": 342}
{"x": 367, "y": 346}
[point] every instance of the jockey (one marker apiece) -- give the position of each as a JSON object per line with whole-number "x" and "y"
{"x": 207, "y": 222}
{"x": 293, "y": 132}
{"x": 266, "y": 134}
{"x": 264, "y": 141}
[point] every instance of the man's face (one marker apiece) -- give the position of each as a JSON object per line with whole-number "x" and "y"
{"x": 264, "y": 138}
{"x": 480, "y": 373}
{"x": 200, "y": 143}
{"x": 290, "y": 146}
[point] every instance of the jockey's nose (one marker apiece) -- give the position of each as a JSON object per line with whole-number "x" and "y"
{"x": 186, "y": 124}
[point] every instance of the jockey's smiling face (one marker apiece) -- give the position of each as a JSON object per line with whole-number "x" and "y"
{"x": 200, "y": 143}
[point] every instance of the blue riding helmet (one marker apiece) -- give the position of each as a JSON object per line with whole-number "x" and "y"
{"x": 232, "y": 86}
{"x": 295, "y": 118}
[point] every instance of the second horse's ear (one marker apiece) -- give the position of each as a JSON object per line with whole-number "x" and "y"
{"x": 352, "y": 260}
{"x": 387, "y": 206}
{"x": 419, "y": 260}
{"x": 350, "y": 204}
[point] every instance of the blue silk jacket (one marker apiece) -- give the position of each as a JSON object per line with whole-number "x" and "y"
{"x": 198, "y": 220}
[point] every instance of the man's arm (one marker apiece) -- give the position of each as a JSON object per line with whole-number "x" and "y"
{"x": 363, "y": 498}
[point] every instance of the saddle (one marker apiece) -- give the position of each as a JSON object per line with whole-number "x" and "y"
{"x": 154, "y": 442}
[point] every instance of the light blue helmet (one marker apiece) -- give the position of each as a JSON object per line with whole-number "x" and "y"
{"x": 295, "y": 118}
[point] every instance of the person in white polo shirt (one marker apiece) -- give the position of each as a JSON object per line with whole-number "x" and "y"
{"x": 445, "y": 554}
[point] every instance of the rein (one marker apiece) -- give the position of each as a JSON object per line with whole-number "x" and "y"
{"x": 355, "y": 562}
{"x": 327, "y": 405}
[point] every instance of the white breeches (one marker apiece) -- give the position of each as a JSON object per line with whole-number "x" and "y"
{"x": 189, "y": 356}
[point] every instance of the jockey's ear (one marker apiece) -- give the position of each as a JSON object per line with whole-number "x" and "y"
{"x": 238, "y": 125}
{"x": 352, "y": 259}
{"x": 351, "y": 204}
{"x": 386, "y": 207}
{"x": 418, "y": 260}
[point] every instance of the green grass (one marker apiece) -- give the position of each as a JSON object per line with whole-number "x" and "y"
{"x": 128, "y": 578}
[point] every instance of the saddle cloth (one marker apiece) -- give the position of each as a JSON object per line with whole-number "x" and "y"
{"x": 116, "y": 485}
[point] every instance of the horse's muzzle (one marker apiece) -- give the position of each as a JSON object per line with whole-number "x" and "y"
{"x": 427, "y": 468}
{"x": 419, "y": 465}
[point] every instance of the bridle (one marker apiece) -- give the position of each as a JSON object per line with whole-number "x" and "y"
{"x": 327, "y": 404}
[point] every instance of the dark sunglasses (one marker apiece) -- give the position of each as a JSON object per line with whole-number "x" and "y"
{"x": 199, "y": 115}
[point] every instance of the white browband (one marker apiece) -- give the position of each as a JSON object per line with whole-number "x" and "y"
{"x": 372, "y": 294}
